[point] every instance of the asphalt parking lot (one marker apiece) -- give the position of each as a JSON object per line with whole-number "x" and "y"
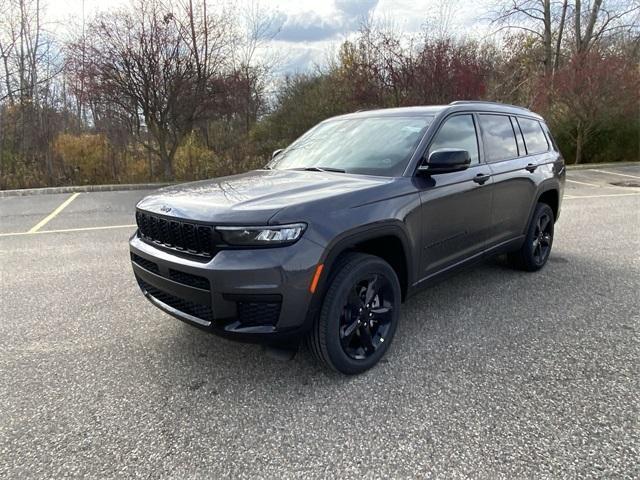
{"x": 494, "y": 373}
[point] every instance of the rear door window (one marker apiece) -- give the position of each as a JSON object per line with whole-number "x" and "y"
{"x": 499, "y": 139}
{"x": 534, "y": 137}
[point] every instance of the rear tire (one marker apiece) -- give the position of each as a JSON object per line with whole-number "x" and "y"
{"x": 535, "y": 250}
{"x": 359, "y": 314}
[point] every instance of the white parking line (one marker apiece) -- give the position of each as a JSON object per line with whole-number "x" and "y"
{"x": 573, "y": 197}
{"x": 52, "y": 215}
{"x": 615, "y": 173}
{"x": 65, "y": 230}
{"x": 583, "y": 183}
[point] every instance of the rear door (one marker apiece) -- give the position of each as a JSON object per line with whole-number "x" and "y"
{"x": 456, "y": 207}
{"x": 512, "y": 170}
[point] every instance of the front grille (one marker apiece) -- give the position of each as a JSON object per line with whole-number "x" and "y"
{"x": 258, "y": 313}
{"x": 144, "y": 263}
{"x": 197, "y": 310}
{"x": 189, "y": 279}
{"x": 186, "y": 237}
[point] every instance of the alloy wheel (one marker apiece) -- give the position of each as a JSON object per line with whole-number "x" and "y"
{"x": 366, "y": 316}
{"x": 542, "y": 238}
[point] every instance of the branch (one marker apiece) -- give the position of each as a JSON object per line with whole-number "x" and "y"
{"x": 518, "y": 27}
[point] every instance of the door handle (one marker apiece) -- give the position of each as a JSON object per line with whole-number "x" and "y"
{"x": 481, "y": 178}
{"x": 531, "y": 167}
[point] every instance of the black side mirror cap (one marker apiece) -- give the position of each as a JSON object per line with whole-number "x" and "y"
{"x": 446, "y": 160}
{"x": 276, "y": 153}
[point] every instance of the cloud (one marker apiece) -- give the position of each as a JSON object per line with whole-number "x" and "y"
{"x": 356, "y": 8}
{"x": 311, "y": 27}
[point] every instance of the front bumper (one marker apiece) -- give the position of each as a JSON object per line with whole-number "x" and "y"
{"x": 253, "y": 295}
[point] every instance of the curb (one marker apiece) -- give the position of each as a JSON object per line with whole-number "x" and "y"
{"x": 589, "y": 166}
{"x": 82, "y": 188}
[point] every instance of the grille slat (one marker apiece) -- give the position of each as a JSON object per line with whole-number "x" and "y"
{"x": 175, "y": 275}
{"x": 189, "y": 279}
{"x": 203, "y": 312}
{"x": 144, "y": 263}
{"x": 187, "y": 237}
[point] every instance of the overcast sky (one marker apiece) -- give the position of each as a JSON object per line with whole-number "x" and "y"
{"x": 308, "y": 30}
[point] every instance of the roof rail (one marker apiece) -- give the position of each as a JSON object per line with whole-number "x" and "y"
{"x": 463, "y": 102}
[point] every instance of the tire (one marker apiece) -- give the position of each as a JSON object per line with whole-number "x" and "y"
{"x": 535, "y": 250}
{"x": 340, "y": 338}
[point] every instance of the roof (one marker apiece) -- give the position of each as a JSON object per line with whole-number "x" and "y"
{"x": 466, "y": 105}
{"x": 398, "y": 111}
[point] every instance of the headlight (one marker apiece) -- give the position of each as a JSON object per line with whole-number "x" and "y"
{"x": 259, "y": 236}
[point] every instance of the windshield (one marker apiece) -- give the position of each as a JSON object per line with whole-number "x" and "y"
{"x": 366, "y": 145}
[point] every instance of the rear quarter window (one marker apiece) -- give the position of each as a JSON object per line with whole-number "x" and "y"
{"x": 552, "y": 141}
{"x": 534, "y": 137}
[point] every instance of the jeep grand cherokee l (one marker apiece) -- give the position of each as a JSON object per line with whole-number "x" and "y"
{"x": 359, "y": 213}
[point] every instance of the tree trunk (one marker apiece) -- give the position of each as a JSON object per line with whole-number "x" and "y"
{"x": 577, "y": 26}
{"x": 547, "y": 38}
{"x": 587, "y": 38}
{"x": 165, "y": 158}
{"x": 579, "y": 145}
{"x": 556, "y": 61}
{"x": 150, "y": 160}
{"x": 7, "y": 72}
{"x": 166, "y": 166}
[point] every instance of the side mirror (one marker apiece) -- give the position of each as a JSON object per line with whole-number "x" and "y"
{"x": 276, "y": 153}
{"x": 446, "y": 160}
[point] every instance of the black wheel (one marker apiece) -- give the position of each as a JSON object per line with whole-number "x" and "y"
{"x": 359, "y": 314}
{"x": 535, "y": 250}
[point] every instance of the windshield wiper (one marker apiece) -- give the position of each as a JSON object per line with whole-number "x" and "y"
{"x": 321, "y": 169}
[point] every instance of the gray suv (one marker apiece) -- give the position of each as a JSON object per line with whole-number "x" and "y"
{"x": 327, "y": 240}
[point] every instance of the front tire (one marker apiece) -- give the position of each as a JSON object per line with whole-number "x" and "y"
{"x": 535, "y": 250}
{"x": 359, "y": 314}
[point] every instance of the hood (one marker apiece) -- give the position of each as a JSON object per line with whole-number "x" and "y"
{"x": 253, "y": 197}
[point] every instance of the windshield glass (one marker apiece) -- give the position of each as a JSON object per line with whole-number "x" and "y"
{"x": 366, "y": 145}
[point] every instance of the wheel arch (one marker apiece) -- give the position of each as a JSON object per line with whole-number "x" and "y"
{"x": 551, "y": 197}
{"x": 387, "y": 240}
{"x": 363, "y": 239}
{"x": 549, "y": 193}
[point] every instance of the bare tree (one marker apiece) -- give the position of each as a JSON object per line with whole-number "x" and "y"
{"x": 543, "y": 19}
{"x": 252, "y": 63}
{"x": 440, "y": 19}
{"x": 159, "y": 65}
{"x": 30, "y": 61}
{"x": 547, "y": 21}
{"x": 602, "y": 19}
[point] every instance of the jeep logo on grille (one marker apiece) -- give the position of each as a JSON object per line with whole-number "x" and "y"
{"x": 165, "y": 209}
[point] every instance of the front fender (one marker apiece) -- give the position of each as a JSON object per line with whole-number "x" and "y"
{"x": 346, "y": 241}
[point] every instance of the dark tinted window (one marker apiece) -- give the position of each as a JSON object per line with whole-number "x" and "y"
{"x": 457, "y": 132}
{"x": 550, "y": 138}
{"x": 534, "y": 137}
{"x": 500, "y": 142}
